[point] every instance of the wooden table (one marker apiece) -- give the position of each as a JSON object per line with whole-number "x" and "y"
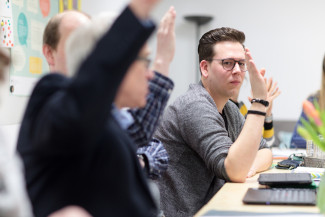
{"x": 229, "y": 198}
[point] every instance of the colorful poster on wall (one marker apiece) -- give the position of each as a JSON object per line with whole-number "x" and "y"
{"x": 69, "y": 5}
{"x": 29, "y": 18}
{"x": 5, "y": 8}
{"x": 6, "y": 33}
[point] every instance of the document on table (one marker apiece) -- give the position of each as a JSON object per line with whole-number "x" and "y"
{"x": 315, "y": 173}
{"x": 285, "y": 153}
{"x": 216, "y": 213}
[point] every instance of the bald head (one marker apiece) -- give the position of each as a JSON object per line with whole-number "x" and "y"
{"x": 55, "y": 34}
{"x": 82, "y": 41}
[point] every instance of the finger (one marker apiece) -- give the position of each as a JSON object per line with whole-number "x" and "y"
{"x": 164, "y": 19}
{"x": 171, "y": 19}
{"x": 250, "y": 62}
{"x": 251, "y": 66}
{"x": 251, "y": 173}
{"x": 262, "y": 72}
{"x": 163, "y": 22}
{"x": 269, "y": 83}
{"x": 275, "y": 91}
{"x": 274, "y": 96}
{"x": 271, "y": 90}
{"x": 168, "y": 22}
{"x": 247, "y": 55}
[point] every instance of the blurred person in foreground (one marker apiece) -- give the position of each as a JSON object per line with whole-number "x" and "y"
{"x": 139, "y": 123}
{"x": 74, "y": 151}
{"x": 14, "y": 201}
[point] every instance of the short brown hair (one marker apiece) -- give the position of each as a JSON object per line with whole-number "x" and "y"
{"x": 51, "y": 35}
{"x": 209, "y": 39}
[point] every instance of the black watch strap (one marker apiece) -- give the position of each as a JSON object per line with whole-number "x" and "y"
{"x": 261, "y": 101}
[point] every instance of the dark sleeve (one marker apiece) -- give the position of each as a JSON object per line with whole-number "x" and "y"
{"x": 296, "y": 140}
{"x": 147, "y": 118}
{"x": 78, "y": 113}
{"x": 156, "y": 156}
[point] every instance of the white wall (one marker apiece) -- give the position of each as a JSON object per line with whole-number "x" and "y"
{"x": 11, "y": 107}
{"x": 285, "y": 37}
{"x": 93, "y": 7}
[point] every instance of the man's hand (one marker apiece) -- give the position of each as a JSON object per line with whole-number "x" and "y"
{"x": 165, "y": 42}
{"x": 71, "y": 211}
{"x": 272, "y": 93}
{"x": 258, "y": 85}
{"x": 251, "y": 173}
{"x": 142, "y": 8}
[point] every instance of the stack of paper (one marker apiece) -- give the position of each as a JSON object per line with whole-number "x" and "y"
{"x": 315, "y": 173}
{"x": 285, "y": 153}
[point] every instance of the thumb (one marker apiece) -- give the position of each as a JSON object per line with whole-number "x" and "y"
{"x": 262, "y": 71}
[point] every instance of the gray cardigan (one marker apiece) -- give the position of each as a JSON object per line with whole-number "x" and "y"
{"x": 195, "y": 137}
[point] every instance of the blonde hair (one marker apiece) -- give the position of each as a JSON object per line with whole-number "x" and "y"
{"x": 83, "y": 40}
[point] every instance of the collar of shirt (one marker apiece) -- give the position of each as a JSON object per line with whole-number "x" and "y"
{"x": 123, "y": 117}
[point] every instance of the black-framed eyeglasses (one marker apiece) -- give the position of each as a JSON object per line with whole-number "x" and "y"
{"x": 229, "y": 64}
{"x": 145, "y": 59}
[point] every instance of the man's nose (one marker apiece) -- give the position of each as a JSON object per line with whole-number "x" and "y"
{"x": 236, "y": 68}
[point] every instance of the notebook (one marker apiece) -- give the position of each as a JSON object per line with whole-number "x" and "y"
{"x": 280, "y": 196}
{"x": 285, "y": 179}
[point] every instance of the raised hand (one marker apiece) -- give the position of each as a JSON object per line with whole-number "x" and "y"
{"x": 165, "y": 42}
{"x": 259, "y": 89}
{"x": 272, "y": 93}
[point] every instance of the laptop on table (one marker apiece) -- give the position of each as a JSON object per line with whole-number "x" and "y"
{"x": 285, "y": 179}
{"x": 284, "y": 189}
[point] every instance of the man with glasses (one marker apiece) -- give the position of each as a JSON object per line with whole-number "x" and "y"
{"x": 207, "y": 139}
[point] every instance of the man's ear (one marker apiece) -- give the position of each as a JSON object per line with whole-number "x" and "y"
{"x": 204, "y": 65}
{"x": 48, "y": 53}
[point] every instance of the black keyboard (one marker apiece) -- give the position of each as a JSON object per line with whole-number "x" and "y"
{"x": 292, "y": 196}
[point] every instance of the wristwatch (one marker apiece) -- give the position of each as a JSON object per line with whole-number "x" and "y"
{"x": 261, "y": 101}
{"x": 268, "y": 119}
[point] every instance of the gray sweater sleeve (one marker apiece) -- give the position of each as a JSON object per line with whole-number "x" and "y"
{"x": 203, "y": 129}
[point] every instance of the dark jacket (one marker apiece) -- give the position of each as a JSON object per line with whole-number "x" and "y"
{"x": 73, "y": 150}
